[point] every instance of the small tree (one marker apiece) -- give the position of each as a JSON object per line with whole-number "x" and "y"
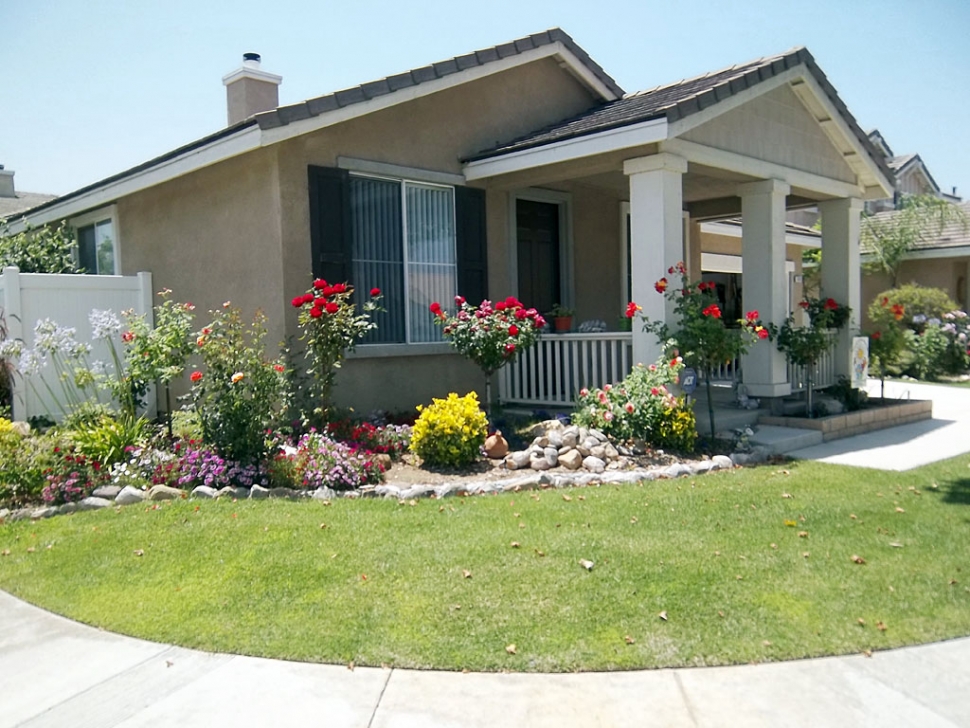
{"x": 702, "y": 338}
{"x": 50, "y": 249}
{"x": 887, "y": 340}
{"x": 889, "y": 237}
{"x": 490, "y": 336}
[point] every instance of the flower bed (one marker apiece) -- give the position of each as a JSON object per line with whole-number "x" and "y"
{"x": 885, "y": 413}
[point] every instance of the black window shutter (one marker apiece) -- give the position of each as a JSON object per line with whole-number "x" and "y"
{"x": 330, "y": 233}
{"x": 472, "y": 244}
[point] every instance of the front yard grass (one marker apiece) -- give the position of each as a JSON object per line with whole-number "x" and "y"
{"x": 750, "y": 565}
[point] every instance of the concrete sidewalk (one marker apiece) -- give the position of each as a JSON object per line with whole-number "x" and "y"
{"x": 55, "y": 672}
{"x": 908, "y": 446}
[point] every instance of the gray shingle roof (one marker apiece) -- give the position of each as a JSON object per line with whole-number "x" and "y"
{"x": 372, "y": 89}
{"x": 955, "y": 234}
{"x": 22, "y": 202}
{"x": 683, "y": 98}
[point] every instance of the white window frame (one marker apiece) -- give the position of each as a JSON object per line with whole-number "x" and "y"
{"x": 564, "y": 201}
{"x": 93, "y": 218}
{"x": 409, "y": 347}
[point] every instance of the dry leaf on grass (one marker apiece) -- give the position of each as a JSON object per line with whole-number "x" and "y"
{"x": 510, "y": 648}
{"x": 900, "y": 510}
{"x": 351, "y": 665}
{"x": 628, "y": 639}
{"x": 466, "y": 573}
{"x": 5, "y": 552}
{"x": 896, "y": 545}
{"x": 881, "y": 626}
{"x": 566, "y": 497}
{"x": 787, "y": 495}
{"x": 540, "y": 553}
{"x": 139, "y": 552}
{"x": 323, "y": 525}
{"x": 803, "y": 534}
{"x": 861, "y": 622}
{"x": 857, "y": 559}
{"x": 515, "y": 544}
{"x": 663, "y": 615}
{"x": 586, "y": 564}
{"x": 867, "y": 653}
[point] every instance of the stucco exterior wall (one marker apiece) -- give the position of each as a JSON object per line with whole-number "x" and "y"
{"x": 775, "y": 127}
{"x": 211, "y": 236}
{"x": 597, "y": 264}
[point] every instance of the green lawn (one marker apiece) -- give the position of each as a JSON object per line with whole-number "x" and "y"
{"x": 749, "y": 565}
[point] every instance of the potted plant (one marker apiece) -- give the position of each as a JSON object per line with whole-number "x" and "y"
{"x": 562, "y": 318}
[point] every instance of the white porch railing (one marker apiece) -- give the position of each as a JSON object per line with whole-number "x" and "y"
{"x": 553, "y": 371}
{"x": 823, "y": 374}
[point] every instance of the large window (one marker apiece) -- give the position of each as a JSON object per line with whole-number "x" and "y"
{"x": 403, "y": 242}
{"x": 97, "y": 242}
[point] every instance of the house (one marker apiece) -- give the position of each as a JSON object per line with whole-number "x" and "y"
{"x": 13, "y": 202}
{"x": 521, "y": 169}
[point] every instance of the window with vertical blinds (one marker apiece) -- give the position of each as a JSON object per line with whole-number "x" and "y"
{"x": 403, "y": 242}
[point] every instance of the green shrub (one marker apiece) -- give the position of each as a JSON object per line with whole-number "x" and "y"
{"x": 677, "y": 428}
{"x": 450, "y": 432}
{"x": 49, "y": 249}
{"x": 926, "y": 353}
{"x": 107, "y": 439}
{"x": 24, "y": 459}
{"x": 634, "y": 407}
{"x": 917, "y": 301}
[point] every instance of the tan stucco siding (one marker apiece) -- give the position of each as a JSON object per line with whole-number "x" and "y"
{"x": 597, "y": 263}
{"x": 775, "y": 127}
{"x": 211, "y": 236}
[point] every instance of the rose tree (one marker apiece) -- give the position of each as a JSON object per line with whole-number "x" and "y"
{"x": 702, "y": 338}
{"x": 490, "y": 335}
{"x": 332, "y": 325}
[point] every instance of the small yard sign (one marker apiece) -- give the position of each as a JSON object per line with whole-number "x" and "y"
{"x": 688, "y": 380}
{"x": 860, "y": 361}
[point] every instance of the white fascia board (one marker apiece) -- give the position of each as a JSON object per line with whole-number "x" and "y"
{"x": 736, "y": 231}
{"x": 626, "y": 137}
{"x": 724, "y": 263}
{"x": 929, "y": 253}
{"x": 217, "y": 151}
{"x": 338, "y": 116}
{"x": 721, "y": 159}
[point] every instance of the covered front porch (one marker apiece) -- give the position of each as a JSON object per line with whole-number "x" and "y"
{"x": 594, "y": 213}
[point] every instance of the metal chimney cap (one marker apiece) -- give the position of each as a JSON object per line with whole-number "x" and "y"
{"x": 252, "y": 57}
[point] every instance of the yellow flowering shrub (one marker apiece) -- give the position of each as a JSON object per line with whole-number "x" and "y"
{"x": 450, "y": 432}
{"x": 677, "y": 428}
{"x": 5, "y": 426}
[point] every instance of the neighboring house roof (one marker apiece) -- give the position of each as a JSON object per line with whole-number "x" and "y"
{"x": 22, "y": 202}
{"x": 902, "y": 164}
{"x": 795, "y": 233}
{"x": 681, "y": 99}
{"x": 284, "y": 115}
{"x": 955, "y": 234}
{"x": 322, "y": 104}
{"x": 876, "y": 137}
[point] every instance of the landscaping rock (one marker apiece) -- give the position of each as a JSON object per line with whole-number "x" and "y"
{"x": 93, "y": 504}
{"x": 676, "y": 470}
{"x": 129, "y": 495}
{"x": 704, "y": 466}
{"x": 540, "y": 442}
{"x": 258, "y": 491}
{"x": 63, "y": 509}
{"x": 555, "y": 439}
{"x": 382, "y": 459}
{"x": 552, "y": 456}
{"x": 582, "y": 450}
{"x": 594, "y": 464}
{"x": 288, "y": 493}
{"x": 443, "y": 491}
{"x": 417, "y": 491}
{"x": 611, "y": 452}
{"x": 570, "y": 437}
{"x": 740, "y": 458}
{"x": 388, "y": 491}
{"x": 227, "y": 492}
{"x": 571, "y": 459}
{"x": 324, "y": 493}
{"x": 4, "y": 514}
{"x": 20, "y": 514}
{"x": 517, "y": 460}
{"x": 496, "y": 446}
{"x": 163, "y": 492}
{"x": 241, "y": 492}
{"x": 43, "y": 513}
{"x": 539, "y": 463}
{"x": 598, "y": 435}
{"x": 107, "y": 491}
{"x": 598, "y": 451}
{"x": 205, "y": 491}
{"x": 723, "y": 462}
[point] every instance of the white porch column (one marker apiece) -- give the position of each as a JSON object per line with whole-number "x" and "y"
{"x": 656, "y": 239}
{"x": 841, "y": 223}
{"x": 764, "y": 280}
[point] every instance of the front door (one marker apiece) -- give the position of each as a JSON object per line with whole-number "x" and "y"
{"x": 537, "y": 238}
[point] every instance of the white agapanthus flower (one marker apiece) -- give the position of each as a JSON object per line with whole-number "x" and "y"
{"x": 104, "y": 323}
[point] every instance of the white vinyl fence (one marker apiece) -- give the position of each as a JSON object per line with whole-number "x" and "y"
{"x": 26, "y": 298}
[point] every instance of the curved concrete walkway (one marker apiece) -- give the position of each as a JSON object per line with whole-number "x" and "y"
{"x": 55, "y": 672}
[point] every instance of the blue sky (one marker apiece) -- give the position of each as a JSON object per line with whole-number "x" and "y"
{"x": 90, "y": 89}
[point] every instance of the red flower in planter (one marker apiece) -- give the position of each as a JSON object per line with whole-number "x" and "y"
{"x": 375, "y": 292}
{"x": 885, "y": 301}
{"x": 316, "y": 312}
{"x": 459, "y": 300}
{"x": 830, "y": 304}
{"x": 661, "y": 285}
{"x": 435, "y": 308}
{"x": 752, "y": 315}
{"x": 803, "y": 304}
{"x": 332, "y": 307}
{"x": 340, "y": 288}
{"x": 631, "y": 309}
{"x": 196, "y": 376}
{"x": 279, "y": 368}
{"x": 297, "y": 302}
{"x": 319, "y": 284}
{"x": 713, "y": 310}
{"x": 501, "y": 306}
{"x": 320, "y": 302}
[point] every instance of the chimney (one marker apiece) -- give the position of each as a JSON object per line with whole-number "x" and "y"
{"x": 250, "y": 90}
{"x": 6, "y": 183}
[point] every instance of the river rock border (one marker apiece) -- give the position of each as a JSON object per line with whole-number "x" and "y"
{"x": 112, "y": 495}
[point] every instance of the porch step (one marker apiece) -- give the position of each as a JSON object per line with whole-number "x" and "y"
{"x": 781, "y": 440}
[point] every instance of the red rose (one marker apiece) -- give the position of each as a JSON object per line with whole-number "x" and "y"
{"x": 876, "y": 336}
{"x": 307, "y": 298}
{"x": 531, "y": 313}
{"x": 803, "y": 304}
{"x": 539, "y": 321}
{"x": 196, "y": 376}
{"x": 763, "y": 333}
{"x": 513, "y": 302}
{"x": 501, "y": 306}
{"x": 509, "y": 348}
{"x": 670, "y": 271}
{"x": 513, "y": 330}
{"x": 661, "y": 285}
{"x": 319, "y": 284}
{"x": 128, "y": 337}
{"x": 830, "y": 304}
{"x": 328, "y": 291}
{"x": 751, "y": 315}
{"x": 435, "y": 308}
{"x": 297, "y": 302}
{"x": 320, "y": 302}
{"x": 278, "y": 367}
{"x": 631, "y": 309}
{"x": 316, "y": 312}
{"x": 521, "y": 314}
{"x": 375, "y": 292}
{"x": 332, "y": 307}
{"x": 340, "y": 288}
{"x": 713, "y": 311}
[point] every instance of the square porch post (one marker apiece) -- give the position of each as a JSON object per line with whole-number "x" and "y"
{"x": 764, "y": 280}
{"x": 656, "y": 239}
{"x": 841, "y": 224}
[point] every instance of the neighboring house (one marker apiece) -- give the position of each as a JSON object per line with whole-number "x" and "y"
{"x": 13, "y": 202}
{"x": 942, "y": 261}
{"x": 912, "y": 177}
{"x": 521, "y": 169}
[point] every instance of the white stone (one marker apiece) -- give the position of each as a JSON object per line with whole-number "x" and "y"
{"x": 163, "y": 492}
{"x": 106, "y": 491}
{"x": 62, "y": 510}
{"x": 128, "y": 495}
{"x": 676, "y": 470}
{"x": 283, "y": 493}
{"x": 594, "y": 464}
{"x": 552, "y": 456}
{"x": 204, "y": 491}
{"x": 46, "y": 512}
{"x": 555, "y": 439}
{"x": 598, "y": 451}
{"x": 93, "y": 504}
{"x": 324, "y": 493}
{"x": 598, "y": 435}
{"x": 570, "y": 437}
{"x": 611, "y": 452}
{"x": 571, "y": 460}
{"x": 723, "y": 462}
{"x": 539, "y": 463}
{"x": 258, "y": 491}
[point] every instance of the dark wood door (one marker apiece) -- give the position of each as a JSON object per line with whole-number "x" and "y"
{"x": 537, "y": 226}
